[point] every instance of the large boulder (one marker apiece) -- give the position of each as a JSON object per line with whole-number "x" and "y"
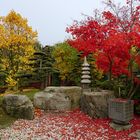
{"x": 18, "y": 106}
{"x": 55, "y": 101}
{"x": 59, "y": 98}
{"x": 95, "y": 104}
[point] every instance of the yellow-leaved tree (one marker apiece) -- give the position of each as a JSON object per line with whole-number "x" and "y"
{"x": 16, "y": 46}
{"x": 65, "y": 60}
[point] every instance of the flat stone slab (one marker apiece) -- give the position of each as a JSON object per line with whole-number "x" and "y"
{"x": 119, "y": 127}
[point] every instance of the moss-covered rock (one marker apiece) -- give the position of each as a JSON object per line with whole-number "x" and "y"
{"x": 18, "y": 106}
{"x": 73, "y": 93}
{"x": 95, "y": 104}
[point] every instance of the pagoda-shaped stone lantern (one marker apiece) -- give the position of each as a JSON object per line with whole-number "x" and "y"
{"x": 85, "y": 79}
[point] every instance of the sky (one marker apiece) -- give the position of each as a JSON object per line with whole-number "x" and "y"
{"x": 51, "y": 17}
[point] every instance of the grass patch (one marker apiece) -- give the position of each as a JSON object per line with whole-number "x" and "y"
{"x": 28, "y": 92}
{"x": 6, "y": 120}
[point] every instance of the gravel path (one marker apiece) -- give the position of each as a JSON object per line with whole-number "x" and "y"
{"x": 73, "y": 125}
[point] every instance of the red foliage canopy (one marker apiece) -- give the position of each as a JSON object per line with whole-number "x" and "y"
{"x": 115, "y": 39}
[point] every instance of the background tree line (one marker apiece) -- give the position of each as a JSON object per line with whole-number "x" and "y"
{"x": 25, "y": 62}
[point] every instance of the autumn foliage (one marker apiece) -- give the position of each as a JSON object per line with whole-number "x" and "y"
{"x": 16, "y": 46}
{"x": 114, "y": 38}
{"x": 65, "y": 60}
{"x": 72, "y": 125}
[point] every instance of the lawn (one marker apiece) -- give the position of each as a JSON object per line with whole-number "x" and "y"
{"x": 6, "y": 120}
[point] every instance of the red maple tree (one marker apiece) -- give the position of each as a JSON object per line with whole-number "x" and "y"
{"x": 114, "y": 38}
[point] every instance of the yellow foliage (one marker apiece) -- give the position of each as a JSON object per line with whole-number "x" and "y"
{"x": 134, "y": 50}
{"x": 2, "y": 33}
{"x": 16, "y": 43}
{"x": 10, "y": 80}
{"x": 65, "y": 59}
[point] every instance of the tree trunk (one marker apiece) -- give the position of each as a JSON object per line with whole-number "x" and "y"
{"x": 110, "y": 71}
{"x": 131, "y": 79}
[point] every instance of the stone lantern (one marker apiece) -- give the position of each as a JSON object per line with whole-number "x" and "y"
{"x": 85, "y": 79}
